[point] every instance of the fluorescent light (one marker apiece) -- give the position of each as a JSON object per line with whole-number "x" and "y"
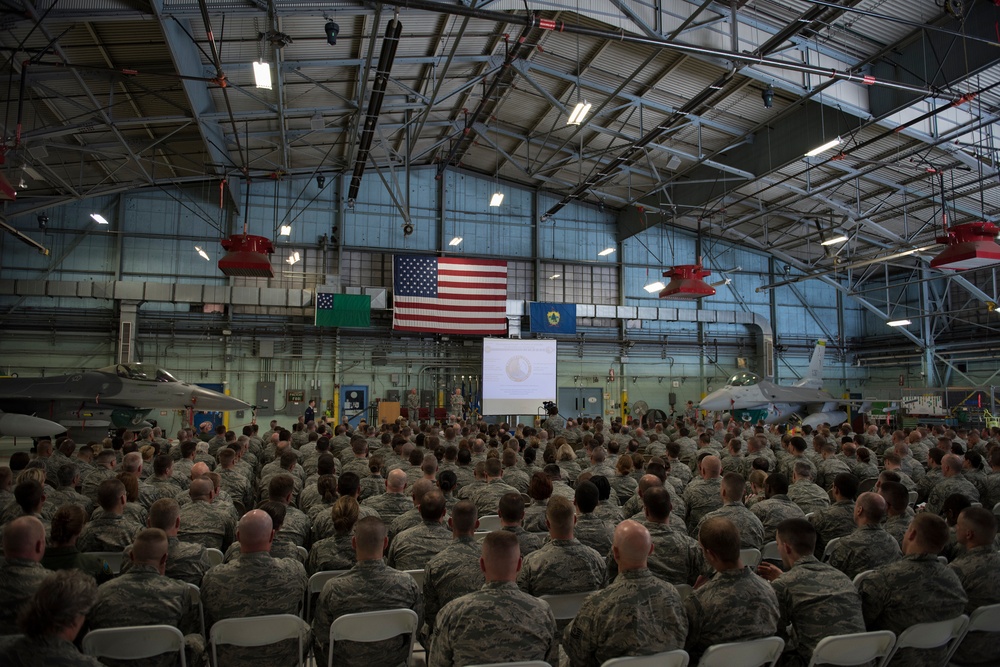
{"x": 293, "y": 258}
{"x": 21, "y": 184}
{"x": 497, "y": 199}
{"x": 455, "y": 241}
{"x": 606, "y": 252}
{"x": 834, "y": 240}
{"x": 204, "y": 255}
{"x": 580, "y": 112}
{"x": 262, "y": 75}
{"x": 555, "y": 275}
{"x": 654, "y": 287}
{"x": 898, "y": 323}
{"x": 285, "y": 230}
{"x": 825, "y": 147}
{"x": 31, "y": 171}
{"x": 100, "y": 219}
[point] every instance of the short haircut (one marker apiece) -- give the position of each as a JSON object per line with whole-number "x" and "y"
{"x": 510, "y": 508}
{"x": 799, "y": 534}
{"x": 188, "y": 448}
{"x": 67, "y": 473}
{"x": 161, "y": 464}
{"x": 501, "y": 544}
{"x": 369, "y": 533}
{"x": 721, "y": 536}
{"x": 28, "y": 495}
{"x": 150, "y": 544}
{"x": 432, "y": 505}
{"x": 804, "y": 469}
{"x": 226, "y": 456}
{"x": 163, "y": 513}
{"x": 896, "y": 495}
{"x": 983, "y": 521}
{"x": 493, "y": 467}
{"x": 108, "y": 493}
{"x": 735, "y": 486}
{"x": 846, "y": 484}
{"x": 932, "y": 531}
{"x": 559, "y": 513}
{"x": 464, "y": 515}
{"x": 277, "y": 511}
{"x": 657, "y": 502}
{"x": 280, "y": 486}
{"x": 348, "y": 484}
{"x": 586, "y": 497}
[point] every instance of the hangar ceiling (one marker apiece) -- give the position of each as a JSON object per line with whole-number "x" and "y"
{"x": 104, "y": 96}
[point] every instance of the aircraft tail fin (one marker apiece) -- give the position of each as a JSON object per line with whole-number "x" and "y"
{"x": 814, "y": 376}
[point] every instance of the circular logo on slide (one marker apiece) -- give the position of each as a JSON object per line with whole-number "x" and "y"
{"x": 518, "y": 368}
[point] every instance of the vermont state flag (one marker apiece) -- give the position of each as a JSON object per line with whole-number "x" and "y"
{"x": 553, "y": 317}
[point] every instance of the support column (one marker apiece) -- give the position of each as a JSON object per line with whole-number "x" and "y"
{"x": 128, "y": 312}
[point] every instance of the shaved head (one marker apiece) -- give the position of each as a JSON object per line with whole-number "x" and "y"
{"x": 201, "y": 489}
{"x": 396, "y": 481}
{"x": 711, "y": 467}
{"x": 24, "y": 537}
{"x": 873, "y": 507}
{"x": 632, "y": 545}
{"x": 198, "y": 469}
{"x": 150, "y": 547}
{"x": 255, "y": 532}
{"x": 501, "y": 559}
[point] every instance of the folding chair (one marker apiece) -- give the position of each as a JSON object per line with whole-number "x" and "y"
{"x": 196, "y": 594}
{"x": 829, "y": 548}
{"x": 256, "y": 631}
{"x": 316, "y": 583}
{"x": 303, "y": 553}
{"x": 112, "y": 558}
{"x": 418, "y": 576}
{"x": 757, "y": 653}
{"x": 912, "y": 498}
{"x": 770, "y": 552}
{"x": 489, "y": 523}
{"x": 373, "y": 626}
{"x": 215, "y": 557}
{"x": 565, "y": 606}
{"x": 867, "y": 484}
{"x": 135, "y": 642}
{"x": 854, "y": 649}
{"x": 860, "y": 576}
{"x": 523, "y": 663}
{"x": 983, "y": 619}
{"x": 480, "y": 535}
{"x": 924, "y": 636}
{"x": 750, "y": 557}
{"x": 678, "y": 658}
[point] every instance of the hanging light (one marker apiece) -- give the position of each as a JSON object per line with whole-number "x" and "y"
{"x": 654, "y": 287}
{"x": 99, "y": 219}
{"x": 580, "y": 112}
{"x": 898, "y": 323}
{"x": 285, "y": 230}
{"x": 262, "y": 74}
{"x": 204, "y": 255}
{"x": 293, "y": 258}
{"x": 606, "y": 252}
{"x": 825, "y": 147}
{"x": 555, "y": 275}
{"x": 497, "y": 199}
{"x": 455, "y": 241}
{"x": 834, "y": 240}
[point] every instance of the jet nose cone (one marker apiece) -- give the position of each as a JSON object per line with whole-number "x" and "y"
{"x": 715, "y": 401}
{"x": 213, "y": 401}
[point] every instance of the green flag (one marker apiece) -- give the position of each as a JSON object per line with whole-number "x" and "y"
{"x": 343, "y": 310}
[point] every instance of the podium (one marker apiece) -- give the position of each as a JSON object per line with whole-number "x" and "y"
{"x": 388, "y": 411}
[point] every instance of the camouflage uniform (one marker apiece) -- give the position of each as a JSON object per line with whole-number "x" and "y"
{"x": 186, "y": 561}
{"x": 239, "y": 487}
{"x": 534, "y": 517}
{"x": 817, "y": 601}
{"x": 296, "y": 528}
{"x": 594, "y": 532}
{"x": 253, "y": 585}
{"x": 734, "y": 606}
{"x": 46, "y": 650}
{"x": 624, "y": 487}
{"x": 108, "y": 532}
{"x": 19, "y": 578}
{"x": 977, "y": 570}
{"x": 451, "y": 574}
{"x": 529, "y": 541}
{"x": 279, "y": 549}
{"x": 750, "y": 527}
{"x": 562, "y": 566}
{"x": 946, "y": 487}
{"x": 609, "y": 512}
{"x": 332, "y": 553}
{"x": 207, "y": 524}
{"x": 677, "y": 514}
{"x": 94, "y": 479}
{"x": 405, "y": 521}
{"x": 517, "y": 479}
{"x": 487, "y": 497}
{"x": 145, "y": 597}
{"x": 701, "y": 497}
{"x": 773, "y": 511}
{"x": 808, "y": 496}
{"x": 896, "y": 596}
{"x": 992, "y": 496}
{"x": 637, "y": 614}
{"x": 371, "y": 486}
{"x": 369, "y": 586}
{"x": 68, "y": 496}
{"x": 415, "y": 546}
{"x": 828, "y": 469}
{"x": 389, "y": 505}
{"x": 167, "y": 487}
{"x": 358, "y": 466}
{"x": 866, "y": 548}
{"x": 322, "y": 525}
{"x": 677, "y": 558}
{"x": 831, "y": 522}
{"x": 497, "y": 620}
{"x": 897, "y": 526}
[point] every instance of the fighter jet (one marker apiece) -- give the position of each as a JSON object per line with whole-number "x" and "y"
{"x": 87, "y": 404}
{"x": 749, "y": 397}
{"x": 24, "y": 426}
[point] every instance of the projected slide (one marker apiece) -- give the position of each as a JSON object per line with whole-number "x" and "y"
{"x": 518, "y": 375}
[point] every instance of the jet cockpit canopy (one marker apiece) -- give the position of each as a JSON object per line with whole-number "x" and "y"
{"x": 744, "y": 379}
{"x": 138, "y": 371}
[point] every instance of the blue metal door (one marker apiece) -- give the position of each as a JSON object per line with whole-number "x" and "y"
{"x": 353, "y": 403}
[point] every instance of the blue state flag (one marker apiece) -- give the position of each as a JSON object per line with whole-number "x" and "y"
{"x": 553, "y": 317}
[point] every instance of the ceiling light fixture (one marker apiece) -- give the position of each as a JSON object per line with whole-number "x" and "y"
{"x": 834, "y": 240}
{"x": 580, "y": 112}
{"x": 455, "y": 241}
{"x": 262, "y": 74}
{"x": 555, "y": 275}
{"x": 768, "y": 96}
{"x": 825, "y": 147}
{"x": 497, "y": 199}
{"x": 31, "y": 171}
{"x": 605, "y": 252}
{"x": 204, "y": 255}
{"x": 285, "y": 230}
{"x": 99, "y": 219}
{"x": 654, "y": 287}
{"x": 898, "y": 323}
{"x": 293, "y": 258}
{"x": 332, "y": 30}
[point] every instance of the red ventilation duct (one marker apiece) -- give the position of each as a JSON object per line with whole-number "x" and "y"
{"x": 247, "y": 256}
{"x": 970, "y": 246}
{"x": 687, "y": 282}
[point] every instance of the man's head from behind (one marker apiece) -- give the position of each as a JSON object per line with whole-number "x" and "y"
{"x": 977, "y": 527}
{"x": 501, "y": 559}
{"x": 720, "y": 540}
{"x": 796, "y": 538}
{"x": 464, "y": 518}
{"x": 370, "y": 538}
{"x": 632, "y": 545}
{"x": 927, "y": 534}
{"x": 150, "y": 548}
{"x": 255, "y": 532}
{"x": 560, "y": 518}
{"x": 24, "y": 537}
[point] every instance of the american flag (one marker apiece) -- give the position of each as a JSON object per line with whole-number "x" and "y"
{"x": 449, "y": 295}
